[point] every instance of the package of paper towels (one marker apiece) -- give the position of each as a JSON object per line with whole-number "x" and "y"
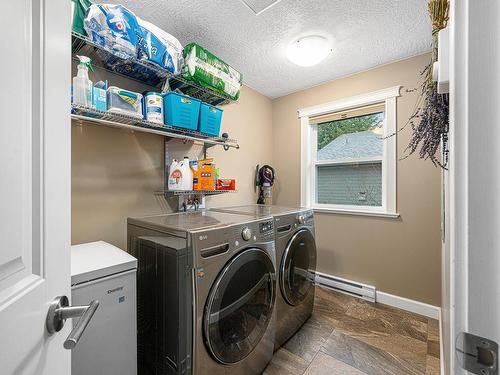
{"x": 158, "y": 46}
{"x": 206, "y": 69}
{"x": 113, "y": 27}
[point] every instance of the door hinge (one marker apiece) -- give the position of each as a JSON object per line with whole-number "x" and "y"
{"x": 477, "y": 355}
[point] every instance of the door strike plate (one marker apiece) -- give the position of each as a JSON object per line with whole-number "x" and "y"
{"x": 476, "y": 354}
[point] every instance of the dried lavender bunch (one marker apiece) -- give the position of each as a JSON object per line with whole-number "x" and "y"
{"x": 430, "y": 123}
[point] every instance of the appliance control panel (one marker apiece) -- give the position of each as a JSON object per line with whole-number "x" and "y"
{"x": 266, "y": 226}
{"x": 214, "y": 241}
{"x": 253, "y": 231}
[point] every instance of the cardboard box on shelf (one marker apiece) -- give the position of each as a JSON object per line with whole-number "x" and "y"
{"x": 203, "y": 174}
{"x": 225, "y": 184}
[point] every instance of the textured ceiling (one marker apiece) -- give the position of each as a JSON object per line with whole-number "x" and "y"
{"x": 363, "y": 33}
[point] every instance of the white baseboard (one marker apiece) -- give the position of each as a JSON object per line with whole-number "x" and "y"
{"x": 402, "y": 303}
{"x": 410, "y": 305}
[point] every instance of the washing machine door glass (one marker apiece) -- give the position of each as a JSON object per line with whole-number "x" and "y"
{"x": 298, "y": 265}
{"x": 240, "y": 306}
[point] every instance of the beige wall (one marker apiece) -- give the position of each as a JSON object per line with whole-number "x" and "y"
{"x": 114, "y": 172}
{"x": 114, "y": 175}
{"x": 398, "y": 256}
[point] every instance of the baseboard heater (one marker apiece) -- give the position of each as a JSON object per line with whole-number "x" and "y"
{"x": 366, "y": 292}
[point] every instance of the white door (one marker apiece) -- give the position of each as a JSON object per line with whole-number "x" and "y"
{"x": 34, "y": 182}
{"x": 472, "y": 264}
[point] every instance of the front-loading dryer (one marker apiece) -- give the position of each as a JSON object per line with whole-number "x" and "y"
{"x": 296, "y": 250}
{"x": 296, "y": 260}
{"x": 206, "y": 293}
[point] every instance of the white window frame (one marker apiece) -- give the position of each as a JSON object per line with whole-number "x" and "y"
{"x": 309, "y": 160}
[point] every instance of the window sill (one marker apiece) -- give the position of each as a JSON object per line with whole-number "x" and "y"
{"x": 356, "y": 212}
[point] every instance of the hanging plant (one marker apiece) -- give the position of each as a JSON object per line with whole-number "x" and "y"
{"x": 430, "y": 121}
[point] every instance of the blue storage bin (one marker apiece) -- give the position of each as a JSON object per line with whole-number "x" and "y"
{"x": 210, "y": 119}
{"x": 181, "y": 111}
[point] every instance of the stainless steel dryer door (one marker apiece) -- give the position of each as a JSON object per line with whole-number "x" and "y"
{"x": 240, "y": 306}
{"x": 298, "y": 266}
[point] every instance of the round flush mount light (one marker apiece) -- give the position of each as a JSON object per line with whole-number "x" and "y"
{"x": 308, "y": 50}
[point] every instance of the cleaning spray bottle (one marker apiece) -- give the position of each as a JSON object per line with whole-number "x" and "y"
{"x": 82, "y": 85}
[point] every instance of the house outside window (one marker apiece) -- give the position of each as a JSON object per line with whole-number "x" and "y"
{"x": 348, "y": 155}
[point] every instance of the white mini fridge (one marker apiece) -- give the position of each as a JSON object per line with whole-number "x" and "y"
{"x": 106, "y": 273}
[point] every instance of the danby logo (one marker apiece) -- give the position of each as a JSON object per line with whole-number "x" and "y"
{"x": 115, "y": 290}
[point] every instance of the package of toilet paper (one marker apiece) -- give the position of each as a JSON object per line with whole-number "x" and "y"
{"x": 158, "y": 46}
{"x": 206, "y": 69}
{"x": 113, "y": 27}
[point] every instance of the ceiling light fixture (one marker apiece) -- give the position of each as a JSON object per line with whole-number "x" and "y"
{"x": 308, "y": 50}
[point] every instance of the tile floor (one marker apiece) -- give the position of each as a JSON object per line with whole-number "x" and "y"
{"x": 350, "y": 336}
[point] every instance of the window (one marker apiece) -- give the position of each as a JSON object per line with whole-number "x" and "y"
{"x": 348, "y": 162}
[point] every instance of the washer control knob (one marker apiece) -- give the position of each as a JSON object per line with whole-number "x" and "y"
{"x": 301, "y": 219}
{"x": 246, "y": 233}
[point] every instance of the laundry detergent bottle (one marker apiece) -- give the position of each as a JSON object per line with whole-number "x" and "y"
{"x": 174, "y": 175}
{"x": 180, "y": 176}
{"x": 187, "y": 173}
{"x": 82, "y": 85}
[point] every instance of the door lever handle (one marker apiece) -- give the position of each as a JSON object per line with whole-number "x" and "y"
{"x": 60, "y": 310}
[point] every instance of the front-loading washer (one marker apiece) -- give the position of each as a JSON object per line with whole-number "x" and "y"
{"x": 206, "y": 293}
{"x": 296, "y": 260}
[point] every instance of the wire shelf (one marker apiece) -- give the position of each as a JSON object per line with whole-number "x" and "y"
{"x": 130, "y": 122}
{"x": 198, "y": 92}
{"x": 171, "y": 193}
{"x": 142, "y": 71}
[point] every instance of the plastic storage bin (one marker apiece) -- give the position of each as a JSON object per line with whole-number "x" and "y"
{"x": 210, "y": 119}
{"x": 181, "y": 111}
{"x": 124, "y": 102}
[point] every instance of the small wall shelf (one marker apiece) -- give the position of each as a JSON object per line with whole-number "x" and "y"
{"x": 142, "y": 70}
{"x": 84, "y": 114}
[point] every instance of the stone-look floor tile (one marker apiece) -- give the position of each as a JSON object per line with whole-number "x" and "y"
{"x": 433, "y": 366}
{"x": 347, "y": 335}
{"x": 373, "y": 333}
{"x": 285, "y": 363}
{"x": 392, "y": 319}
{"x": 367, "y": 310}
{"x": 433, "y": 348}
{"x": 308, "y": 340}
{"x": 323, "y": 364}
{"x": 367, "y": 358}
{"x": 433, "y": 329}
{"x": 331, "y": 304}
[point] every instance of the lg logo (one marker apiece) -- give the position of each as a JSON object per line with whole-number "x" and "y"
{"x": 203, "y": 237}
